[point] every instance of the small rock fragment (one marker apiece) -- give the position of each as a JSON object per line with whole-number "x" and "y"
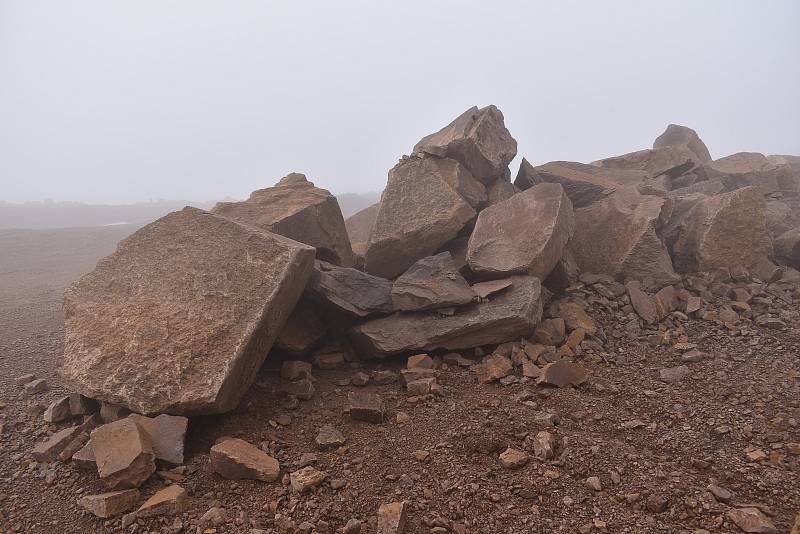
{"x": 366, "y": 407}
{"x": 306, "y": 479}
{"x": 563, "y": 373}
{"x": 752, "y": 520}
{"x": 171, "y": 500}
{"x": 236, "y": 459}
{"x": 672, "y": 375}
{"x": 392, "y": 518}
{"x": 329, "y": 437}
{"x": 110, "y": 504}
{"x": 513, "y": 458}
{"x": 124, "y": 454}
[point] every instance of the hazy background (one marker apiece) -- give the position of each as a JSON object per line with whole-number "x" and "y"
{"x": 117, "y": 102}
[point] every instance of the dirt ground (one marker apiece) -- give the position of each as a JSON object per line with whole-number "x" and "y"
{"x": 655, "y": 447}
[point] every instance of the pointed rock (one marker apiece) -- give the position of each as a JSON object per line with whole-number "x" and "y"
{"x": 359, "y": 226}
{"x": 126, "y": 343}
{"x": 49, "y": 449}
{"x": 653, "y": 161}
{"x": 236, "y": 459}
{"x": 350, "y": 291}
{"x": 432, "y": 282}
{"x": 676, "y": 135}
{"x": 493, "y": 367}
{"x": 166, "y": 433}
{"x": 169, "y": 501}
{"x": 123, "y": 453}
{"x": 643, "y": 304}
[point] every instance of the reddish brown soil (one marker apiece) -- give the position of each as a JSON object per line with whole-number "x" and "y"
{"x": 750, "y": 384}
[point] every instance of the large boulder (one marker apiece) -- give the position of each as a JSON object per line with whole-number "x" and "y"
{"x": 432, "y": 282}
{"x": 724, "y": 231}
{"x": 179, "y": 319}
{"x": 783, "y": 214}
{"x": 583, "y": 184}
{"x": 478, "y": 139}
{"x": 505, "y": 316}
{"x": 525, "y": 234}
{"x": 745, "y": 169}
{"x": 787, "y": 248}
{"x": 421, "y": 210}
{"x": 294, "y": 208}
{"x": 619, "y": 236}
{"x": 359, "y": 225}
{"x": 349, "y": 291}
{"x": 676, "y": 135}
{"x": 653, "y": 161}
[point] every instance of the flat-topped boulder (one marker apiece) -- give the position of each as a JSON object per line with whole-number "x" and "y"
{"x": 653, "y": 161}
{"x": 508, "y": 315}
{"x": 744, "y": 169}
{"x": 296, "y": 209}
{"x": 478, "y": 139}
{"x": 525, "y": 234}
{"x": 676, "y": 135}
{"x": 432, "y": 282}
{"x": 181, "y": 316}
{"x": 420, "y": 211}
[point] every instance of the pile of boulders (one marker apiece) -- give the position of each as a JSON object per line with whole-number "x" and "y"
{"x": 454, "y": 261}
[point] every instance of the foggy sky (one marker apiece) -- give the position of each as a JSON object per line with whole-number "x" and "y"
{"x": 110, "y": 101}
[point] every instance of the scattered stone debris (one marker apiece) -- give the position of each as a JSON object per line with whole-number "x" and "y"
{"x": 235, "y": 459}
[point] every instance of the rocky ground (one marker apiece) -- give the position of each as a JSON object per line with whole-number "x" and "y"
{"x": 635, "y": 450}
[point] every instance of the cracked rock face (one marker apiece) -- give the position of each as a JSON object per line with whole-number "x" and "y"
{"x": 179, "y": 319}
{"x": 432, "y": 282}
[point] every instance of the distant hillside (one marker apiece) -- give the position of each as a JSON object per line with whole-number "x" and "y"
{"x": 41, "y": 215}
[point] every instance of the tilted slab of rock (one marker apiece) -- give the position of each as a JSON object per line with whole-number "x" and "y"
{"x": 653, "y": 161}
{"x": 170, "y": 501}
{"x": 508, "y": 315}
{"x": 359, "y": 226}
{"x": 618, "y": 236}
{"x": 583, "y": 184}
{"x": 124, "y": 454}
{"x": 420, "y": 211}
{"x": 676, "y": 135}
{"x": 478, "y": 139}
{"x": 179, "y": 319}
{"x": 745, "y": 169}
{"x": 724, "y": 231}
{"x": 236, "y": 459}
{"x": 432, "y": 282}
{"x": 349, "y": 290}
{"x": 525, "y": 234}
{"x": 294, "y": 208}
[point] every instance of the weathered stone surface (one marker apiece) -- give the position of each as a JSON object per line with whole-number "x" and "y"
{"x": 676, "y": 135}
{"x": 752, "y": 520}
{"x": 366, "y": 407}
{"x": 359, "y": 226}
{"x": 236, "y": 459}
{"x": 84, "y": 458}
{"x": 544, "y": 445}
{"x": 295, "y": 370}
{"x": 724, "y": 231}
{"x": 35, "y": 386}
{"x": 420, "y": 211}
{"x": 745, "y": 169}
{"x": 182, "y": 315}
{"x": 493, "y": 367}
{"x": 302, "y": 389}
{"x": 392, "y": 518}
{"x": 123, "y": 453}
{"x": 564, "y": 275}
{"x": 550, "y": 332}
{"x": 169, "y": 501}
{"x": 643, "y": 304}
{"x": 653, "y": 161}
{"x": 525, "y": 234}
{"x": 112, "y": 412}
{"x": 672, "y": 375}
{"x": 563, "y": 373}
{"x": 787, "y": 248}
{"x": 432, "y": 282}
{"x": 500, "y": 190}
{"x": 575, "y": 316}
{"x": 510, "y": 314}
{"x": 350, "y": 291}
{"x": 166, "y": 434}
{"x": 294, "y": 208}
{"x": 80, "y": 405}
{"x": 306, "y": 479}
{"x": 618, "y": 236}
{"x": 513, "y": 458}
{"x": 58, "y": 411}
{"x": 583, "y": 184}
{"x": 329, "y": 437}
{"x": 302, "y": 331}
{"x": 49, "y": 449}
{"x": 485, "y": 289}
{"x": 110, "y": 504}
{"x": 478, "y": 139}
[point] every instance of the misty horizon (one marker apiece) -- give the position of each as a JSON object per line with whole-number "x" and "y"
{"x": 117, "y": 104}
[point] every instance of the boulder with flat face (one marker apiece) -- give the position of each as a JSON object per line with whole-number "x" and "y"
{"x": 166, "y": 433}
{"x": 432, "y": 282}
{"x": 349, "y": 291}
{"x": 724, "y": 231}
{"x": 478, "y": 139}
{"x": 420, "y": 211}
{"x": 676, "y": 135}
{"x": 179, "y": 319}
{"x": 583, "y": 184}
{"x": 124, "y": 454}
{"x": 294, "y": 208}
{"x": 359, "y": 225}
{"x": 525, "y": 234}
{"x": 618, "y": 236}
{"x": 787, "y": 248}
{"x": 653, "y": 161}
{"x": 302, "y": 331}
{"x": 745, "y": 169}
{"x": 505, "y": 316}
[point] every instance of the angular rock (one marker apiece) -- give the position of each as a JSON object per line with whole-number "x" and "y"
{"x": 295, "y": 370}
{"x": 110, "y": 504}
{"x": 525, "y": 234}
{"x": 123, "y": 453}
{"x": 416, "y": 373}
{"x": 420, "y": 212}
{"x": 77, "y": 444}
{"x": 618, "y": 236}
{"x": 745, "y": 169}
{"x": 673, "y": 375}
{"x": 163, "y": 324}
{"x": 329, "y": 437}
{"x": 84, "y": 458}
{"x": 544, "y": 445}
{"x": 302, "y": 389}
{"x": 359, "y": 226}
{"x": 170, "y": 501}
{"x": 432, "y": 282}
{"x": 666, "y": 301}
{"x": 563, "y": 373}
{"x": 485, "y": 289}
{"x": 575, "y": 316}
{"x": 302, "y": 331}
{"x": 420, "y": 387}
{"x": 643, "y": 304}
{"x": 564, "y": 275}
{"x": 329, "y": 361}
{"x": 350, "y": 291}
{"x": 420, "y": 361}
{"x": 724, "y": 231}
{"x": 112, "y": 412}
{"x": 493, "y": 367}
{"x": 306, "y": 479}
{"x": 80, "y": 405}
{"x": 49, "y": 449}
{"x": 36, "y": 386}
{"x": 366, "y": 407}
{"x": 752, "y": 520}
{"x": 58, "y": 411}
{"x": 513, "y": 459}
{"x": 478, "y": 139}
{"x": 500, "y": 190}
{"x": 676, "y": 135}
{"x": 236, "y": 459}
{"x": 24, "y": 379}
{"x": 550, "y": 332}
{"x": 392, "y": 518}
{"x": 294, "y": 208}
{"x": 787, "y": 248}
{"x": 166, "y": 433}
{"x": 653, "y": 161}
{"x": 509, "y": 315}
